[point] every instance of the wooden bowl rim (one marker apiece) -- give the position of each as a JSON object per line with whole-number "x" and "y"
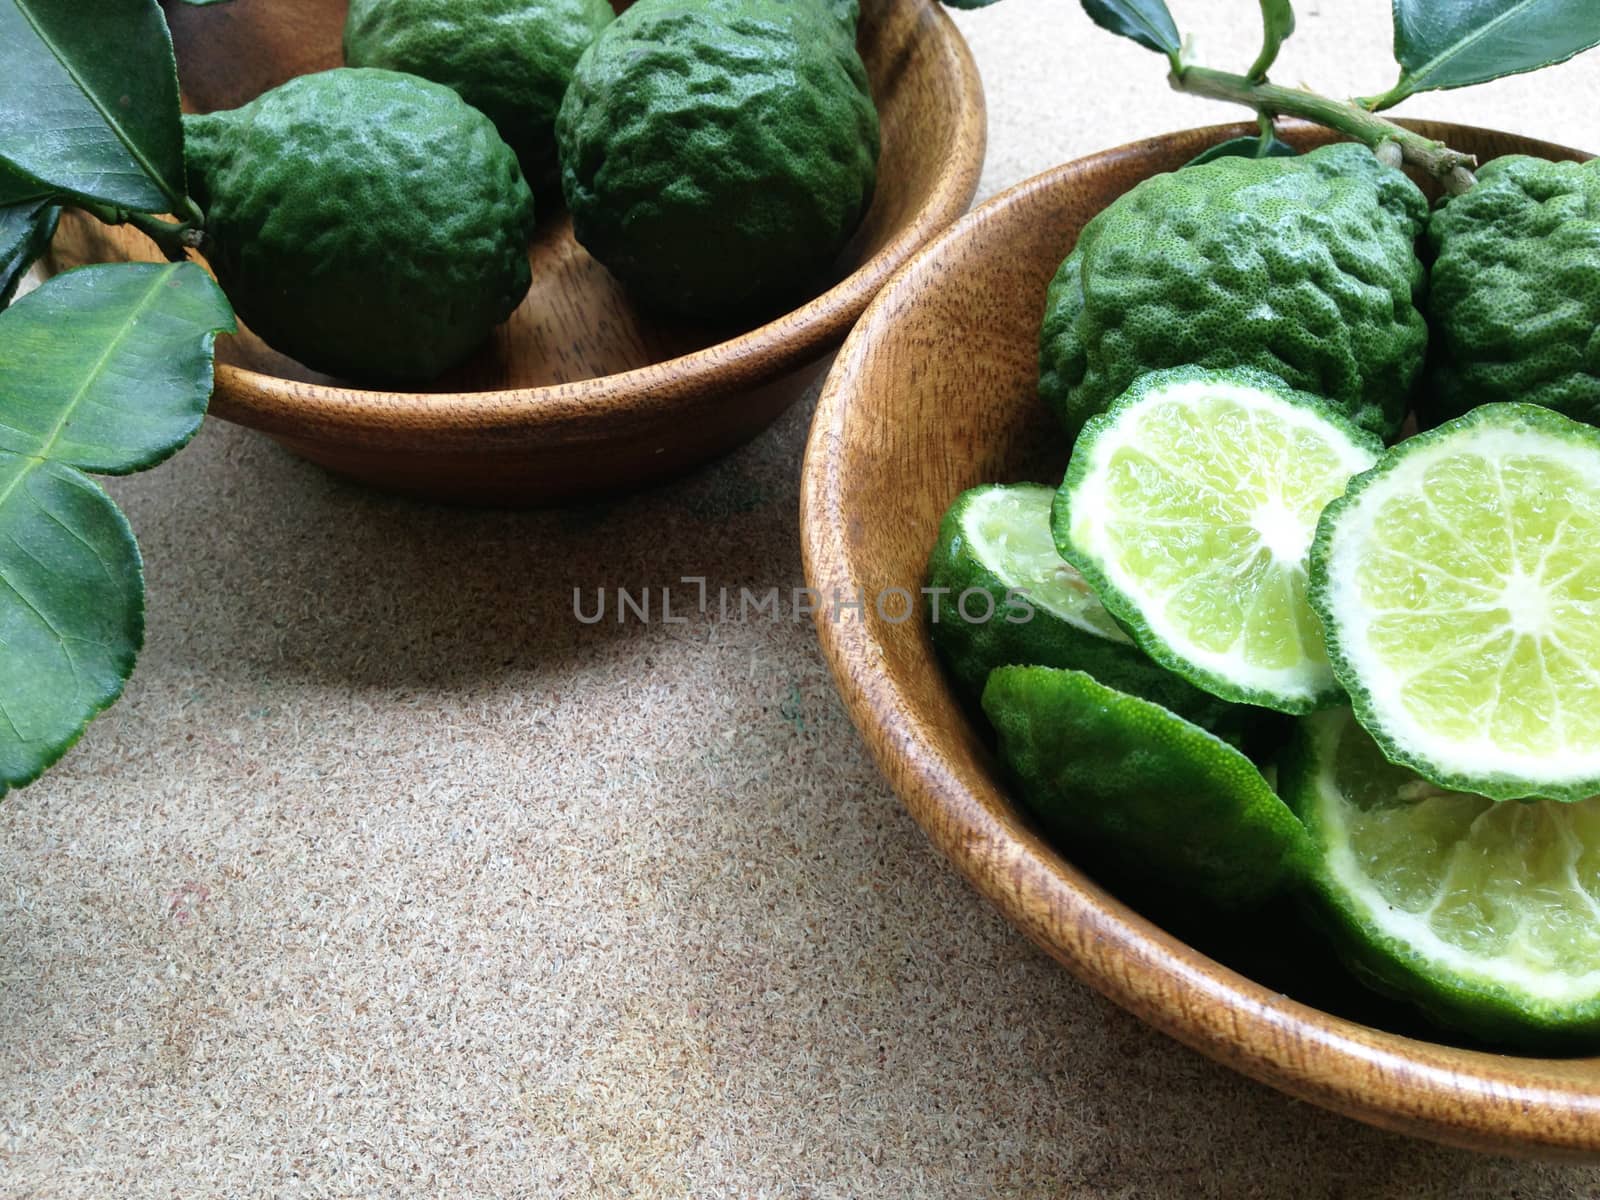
{"x": 1468, "y": 1098}
{"x": 274, "y": 404}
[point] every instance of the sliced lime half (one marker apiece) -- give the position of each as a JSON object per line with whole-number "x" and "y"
{"x": 1459, "y": 583}
{"x": 1190, "y": 506}
{"x": 1005, "y": 530}
{"x": 1486, "y": 914}
{"x": 999, "y": 593}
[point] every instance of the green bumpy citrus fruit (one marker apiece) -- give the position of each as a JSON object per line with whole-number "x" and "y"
{"x": 1302, "y": 267}
{"x": 510, "y": 59}
{"x": 1514, "y": 297}
{"x": 368, "y": 223}
{"x": 718, "y": 154}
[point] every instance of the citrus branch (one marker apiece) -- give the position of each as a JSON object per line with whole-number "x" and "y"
{"x": 1271, "y": 100}
{"x": 174, "y": 238}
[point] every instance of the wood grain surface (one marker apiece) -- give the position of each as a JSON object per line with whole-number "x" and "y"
{"x": 579, "y": 391}
{"x": 933, "y": 393}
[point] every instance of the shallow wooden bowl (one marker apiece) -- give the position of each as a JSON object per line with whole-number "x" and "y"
{"x": 579, "y": 391}
{"x": 934, "y": 392}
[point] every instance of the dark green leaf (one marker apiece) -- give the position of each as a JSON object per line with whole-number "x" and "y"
{"x": 107, "y": 369}
{"x": 1145, "y": 21}
{"x": 1248, "y": 146}
{"x": 71, "y": 611}
{"x": 89, "y": 101}
{"x": 948, "y": 3}
{"x": 1277, "y": 23}
{"x": 1470, "y": 41}
{"x": 25, "y": 230}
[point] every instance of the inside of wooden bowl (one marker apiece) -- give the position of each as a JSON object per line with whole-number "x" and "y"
{"x": 935, "y": 392}
{"x": 576, "y": 322}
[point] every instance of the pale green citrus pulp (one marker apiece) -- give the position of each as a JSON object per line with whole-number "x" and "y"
{"x": 1010, "y": 528}
{"x": 1461, "y": 587}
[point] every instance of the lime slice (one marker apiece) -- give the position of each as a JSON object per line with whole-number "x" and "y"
{"x": 1190, "y": 506}
{"x": 1126, "y": 785}
{"x": 1459, "y": 583}
{"x": 998, "y": 536}
{"x": 1485, "y": 914}
{"x": 999, "y": 593}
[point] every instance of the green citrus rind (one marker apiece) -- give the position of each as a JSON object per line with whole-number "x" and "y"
{"x": 1473, "y": 761}
{"x": 1514, "y": 291}
{"x": 717, "y": 155}
{"x": 510, "y": 59}
{"x": 370, "y": 224}
{"x": 1132, "y": 787}
{"x": 1305, "y": 267}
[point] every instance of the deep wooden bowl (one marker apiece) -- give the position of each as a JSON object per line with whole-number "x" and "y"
{"x": 579, "y": 391}
{"x": 934, "y": 392}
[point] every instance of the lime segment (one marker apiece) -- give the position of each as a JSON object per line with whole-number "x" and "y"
{"x": 1008, "y": 528}
{"x": 1459, "y": 583}
{"x": 1190, "y": 507}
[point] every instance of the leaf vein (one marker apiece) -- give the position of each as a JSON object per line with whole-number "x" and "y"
{"x": 1459, "y": 47}
{"x": 43, "y": 454}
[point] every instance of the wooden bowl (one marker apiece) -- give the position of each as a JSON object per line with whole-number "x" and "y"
{"x": 934, "y": 392}
{"x": 578, "y": 391}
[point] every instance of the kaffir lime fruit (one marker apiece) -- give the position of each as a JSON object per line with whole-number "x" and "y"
{"x": 1458, "y": 582}
{"x": 1302, "y": 267}
{"x": 510, "y": 59}
{"x": 368, "y": 223}
{"x": 1514, "y": 291}
{"x": 718, "y": 154}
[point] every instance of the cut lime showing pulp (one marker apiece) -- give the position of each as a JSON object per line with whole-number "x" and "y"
{"x": 1001, "y": 594}
{"x": 1190, "y": 507}
{"x": 1486, "y": 914}
{"x": 1125, "y": 784}
{"x": 1006, "y": 529}
{"x": 1459, "y": 584}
